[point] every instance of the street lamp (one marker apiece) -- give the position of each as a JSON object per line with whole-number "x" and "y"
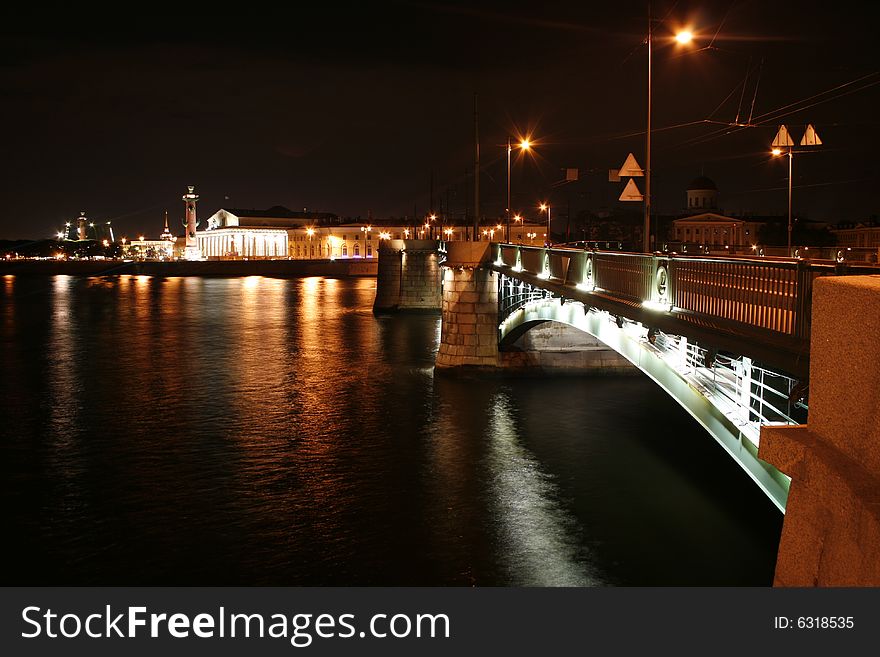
{"x": 545, "y": 207}
{"x": 683, "y": 37}
{"x": 776, "y": 152}
{"x": 366, "y": 231}
{"x": 783, "y": 140}
{"x": 310, "y": 232}
{"x": 524, "y": 145}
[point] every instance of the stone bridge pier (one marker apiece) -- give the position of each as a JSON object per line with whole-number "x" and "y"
{"x": 408, "y": 276}
{"x": 469, "y": 329}
{"x": 831, "y": 531}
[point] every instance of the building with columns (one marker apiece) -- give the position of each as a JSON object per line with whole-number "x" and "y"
{"x": 704, "y": 223}
{"x": 238, "y": 234}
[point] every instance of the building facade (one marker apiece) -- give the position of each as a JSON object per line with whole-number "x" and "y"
{"x": 864, "y": 234}
{"x": 703, "y": 223}
{"x": 239, "y": 234}
{"x": 714, "y": 229}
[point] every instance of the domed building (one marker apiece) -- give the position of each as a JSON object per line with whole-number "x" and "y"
{"x": 704, "y": 224}
{"x": 702, "y": 194}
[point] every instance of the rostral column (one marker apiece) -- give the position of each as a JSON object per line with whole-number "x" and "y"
{"x": 192, "y": 244}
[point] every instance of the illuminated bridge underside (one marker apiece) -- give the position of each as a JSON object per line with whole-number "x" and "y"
{"x": 783, "y": 351}
{"x": 730, "y": 399}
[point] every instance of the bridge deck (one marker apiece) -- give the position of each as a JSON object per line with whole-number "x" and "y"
{"x": 786, "y": 352}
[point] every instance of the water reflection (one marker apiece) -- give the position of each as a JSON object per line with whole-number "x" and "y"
{"x": 266, "y": 431}
{"x": 540, "y": 537}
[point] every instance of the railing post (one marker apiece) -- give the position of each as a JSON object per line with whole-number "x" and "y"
{"x": 803, "y": 301}
{"x": 745, "y": 392}
{"x": 659, "y": 283}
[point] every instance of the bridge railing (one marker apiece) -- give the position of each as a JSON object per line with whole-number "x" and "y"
{"x": 772, "y": 295}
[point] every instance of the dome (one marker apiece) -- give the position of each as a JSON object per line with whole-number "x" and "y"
{"x": 702, "y": 182}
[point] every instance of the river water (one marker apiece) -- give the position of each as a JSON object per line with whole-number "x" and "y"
{"x": 268, "y": 431}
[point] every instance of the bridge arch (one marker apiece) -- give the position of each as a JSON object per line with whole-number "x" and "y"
{"x": 676, "y": 367}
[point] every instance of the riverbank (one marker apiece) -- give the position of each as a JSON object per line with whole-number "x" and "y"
{"x": 221, "y": 268}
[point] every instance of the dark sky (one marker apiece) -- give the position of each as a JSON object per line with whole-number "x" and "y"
{"x": 348, "y": 108}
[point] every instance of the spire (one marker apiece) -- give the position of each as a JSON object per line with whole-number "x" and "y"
{"x": 166, "y": 234}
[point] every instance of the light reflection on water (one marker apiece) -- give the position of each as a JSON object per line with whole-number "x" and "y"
{"x": 541, "y": 538}
{"x": 267, "y": 431}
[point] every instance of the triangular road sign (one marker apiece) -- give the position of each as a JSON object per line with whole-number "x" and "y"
{"x": 631, "y": 192}
{"x": 631, "y": 168}
{"x": 782, "y": 139}
{"x": 810, "y": 137}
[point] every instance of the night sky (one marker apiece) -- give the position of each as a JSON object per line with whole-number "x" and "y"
{"x": 348, "y": 108}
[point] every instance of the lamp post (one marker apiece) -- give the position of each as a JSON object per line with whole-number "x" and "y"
{"x": 776, "y": 153}
{"x": 310, "y": 232}
{"x": 683, "y": 37}
{"x": 783, "y": 140}
{"x": 366, "y": 231}
{"x": 524, "y": 144}
{"x": 545, "y": 207}
{"x": 646, "y": 237}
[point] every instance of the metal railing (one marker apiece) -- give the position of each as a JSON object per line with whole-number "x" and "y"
{"x": 772, "y": 295}
{"x": 747, "y": 393}
{"x": 514, "y": 294}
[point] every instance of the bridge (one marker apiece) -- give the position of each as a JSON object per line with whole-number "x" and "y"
{"x": 728, "y": 338}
